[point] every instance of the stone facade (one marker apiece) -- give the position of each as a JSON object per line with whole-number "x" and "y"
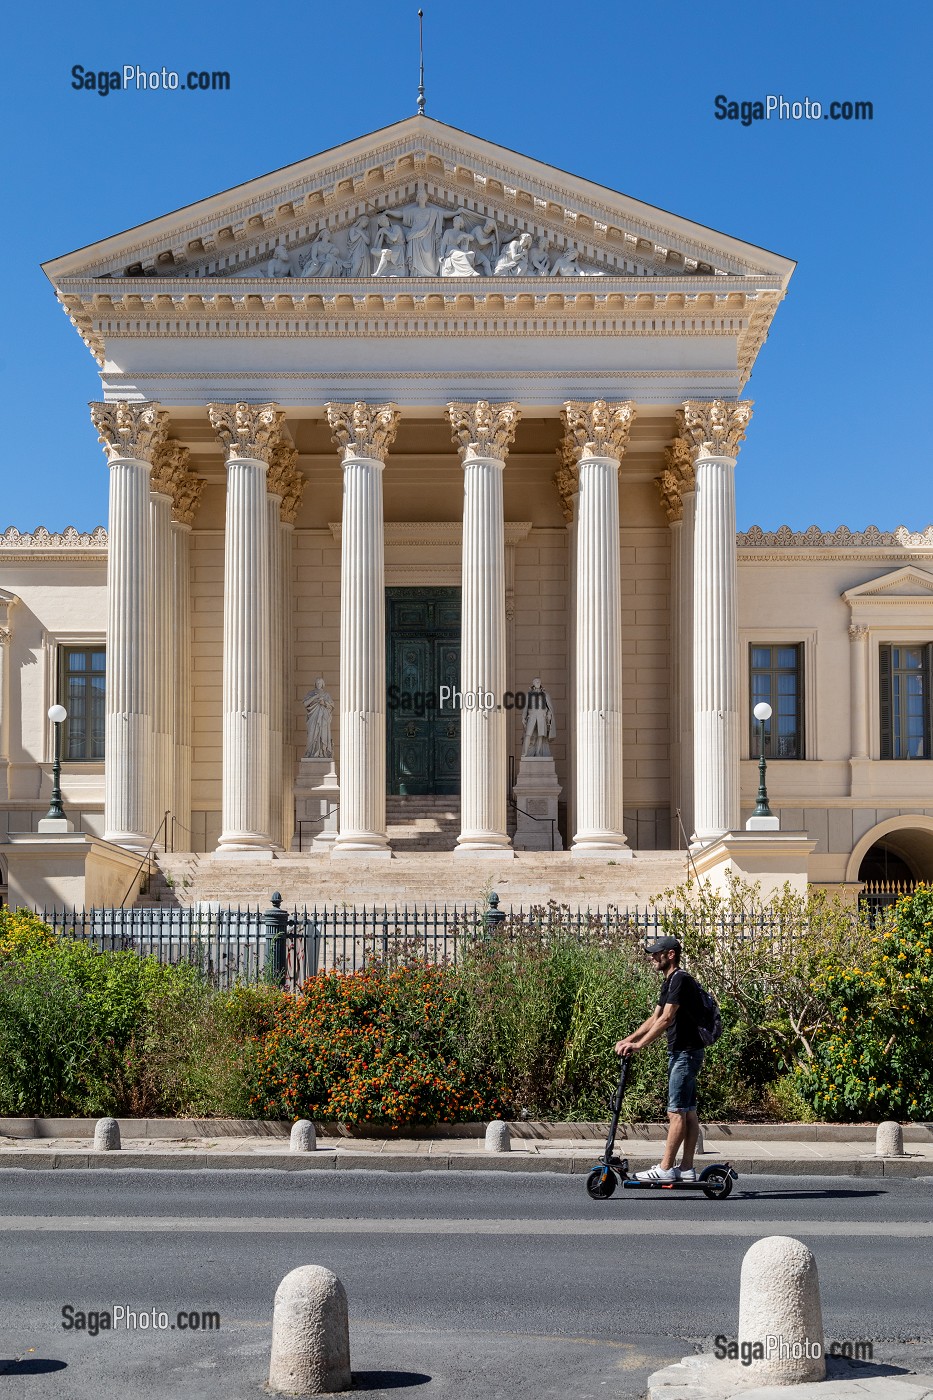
{"x": 358, "y": 376}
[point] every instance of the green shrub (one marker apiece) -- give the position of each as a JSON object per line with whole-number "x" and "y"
{"x": 872, "y": 1060}
{"x": 378, "y": 1046}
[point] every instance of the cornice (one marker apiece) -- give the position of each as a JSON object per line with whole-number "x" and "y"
{"x": 138, "y": 309}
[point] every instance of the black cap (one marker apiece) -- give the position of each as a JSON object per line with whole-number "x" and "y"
{"x": 667, "y": 944}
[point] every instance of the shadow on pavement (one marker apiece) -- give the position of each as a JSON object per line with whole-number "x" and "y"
{"x": 30, "y": 1366}
{"x": 831, "y": 1195}
{"x": 387, "y": 1380}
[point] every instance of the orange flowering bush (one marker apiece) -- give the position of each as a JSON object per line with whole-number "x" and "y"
{"x": 380, "y": 1046}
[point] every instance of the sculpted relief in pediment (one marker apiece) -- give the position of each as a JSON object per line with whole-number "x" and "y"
{"x": 422, "y": 239}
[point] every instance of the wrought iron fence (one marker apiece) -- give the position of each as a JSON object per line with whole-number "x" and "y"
{"x": 245, "y": 944}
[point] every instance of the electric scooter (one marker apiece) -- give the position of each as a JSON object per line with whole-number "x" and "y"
{"x": 611, "y": 1171}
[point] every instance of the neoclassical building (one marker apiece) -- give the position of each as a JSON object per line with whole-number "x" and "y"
{"x": 421, "y": 415}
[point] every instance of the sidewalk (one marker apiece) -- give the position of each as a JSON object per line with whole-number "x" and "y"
{"x": 237, "y": 1146}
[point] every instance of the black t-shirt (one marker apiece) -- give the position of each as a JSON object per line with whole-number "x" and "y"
{"x": 682, "y": 991}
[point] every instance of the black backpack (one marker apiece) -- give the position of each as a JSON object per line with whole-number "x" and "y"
{"x": 709, "y": 1021}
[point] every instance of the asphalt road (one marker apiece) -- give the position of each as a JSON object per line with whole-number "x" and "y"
{"x": 461, "y": 1286}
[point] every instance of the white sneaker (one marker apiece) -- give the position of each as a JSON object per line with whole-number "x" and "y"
{"x": 688, "y": 1173}
{"x": 659, "y": 1173}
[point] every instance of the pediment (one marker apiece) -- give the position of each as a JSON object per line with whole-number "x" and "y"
{"x": 908, "y": 582}
{"x": 418, "y": 199}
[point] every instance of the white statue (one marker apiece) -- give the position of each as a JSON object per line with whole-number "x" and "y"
{"x": 319, "y": 709}
{"x": 280, "y": 264}
{"x": 513, "y": 260}
{"x": 566, "y": 265}
{"x": 457, "y": 254}
{"x": 323, "y": 259}
{"x": 539, "y": 725}
{"x": 487, "y": 246}
{"x": 540, "y": 258}
{"x": 359, "y": 262}
{"x": 388, "y": 249}
{"x": 425, "y": 224}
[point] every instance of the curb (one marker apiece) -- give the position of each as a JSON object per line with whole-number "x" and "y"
{"x": 31, "y": 1128}
{"x": 329, "y": 1159}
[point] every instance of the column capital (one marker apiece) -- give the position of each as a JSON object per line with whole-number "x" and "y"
{"x": 129, "y": 430}
{"x": 566, "y": 478}
{"x": 172, "y": 476}
{"x": 598, "y": 429}
{"x": 285, "y": 480}
{"x": 858, "y": 632}
{"x": 677, "y": 478}
{"x": 483, "y": 429}
{"x": 247, "y": 431}
{"x": 363, "y": 430}
{"x": 714, "y": 429}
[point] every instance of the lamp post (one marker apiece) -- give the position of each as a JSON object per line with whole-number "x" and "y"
{"x": 57, "y": 714}
{"x": 762, "y": 713}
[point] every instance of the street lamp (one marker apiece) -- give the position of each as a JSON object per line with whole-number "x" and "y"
{"x": 762, "y": 713}
{"x": 57, "y": 714}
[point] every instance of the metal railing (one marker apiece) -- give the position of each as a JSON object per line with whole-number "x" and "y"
{"x": 250, "y": 945}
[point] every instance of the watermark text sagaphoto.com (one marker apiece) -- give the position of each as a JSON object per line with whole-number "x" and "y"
{"x": 132, "y": 78}
{"x": 774, "y": 1347}
{"x": 118, "y": 1317}
{"x": 777, "y": 107}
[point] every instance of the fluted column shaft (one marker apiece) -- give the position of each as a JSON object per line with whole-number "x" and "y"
{"x": 246, "y": 676}
{"x": 598, "y": 650}
{"x": 5, "y": 640}
{"x": 286, "y": 604}
{"x": 362, "y": 661}
{"x": 129, "y": 700}
{"x": 484, "y": 777}
{"x": 715, "y": 651}
{"x": 181, "y": 706}
{"x": 163, "y": 661}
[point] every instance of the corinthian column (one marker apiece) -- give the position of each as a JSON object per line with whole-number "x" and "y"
{"x": 248, "y": 433}
{"x": 185, "y": 500}
{"x": 364, "y": 434}
{"x": 714, "y": 432}
{"x": 858, "y": 636}
{"x": 598, "y": 435}
{"x": 130, "y": 434}
{"x": 483, "y": 433}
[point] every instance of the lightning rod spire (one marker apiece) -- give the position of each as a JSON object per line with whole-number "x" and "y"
{"x": 421, "y": 53}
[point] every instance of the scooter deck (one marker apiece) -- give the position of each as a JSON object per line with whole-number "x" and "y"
{"x": 629, "y": 1183}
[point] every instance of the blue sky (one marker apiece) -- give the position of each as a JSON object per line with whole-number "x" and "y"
{"x": 623, "y": 95}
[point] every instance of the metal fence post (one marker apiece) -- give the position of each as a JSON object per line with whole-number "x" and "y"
{"x": 275, "y": 921}
{"x": 494, "y": 916}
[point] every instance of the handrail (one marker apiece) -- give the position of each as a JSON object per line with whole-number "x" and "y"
{"x": 512, "y": 802}
{"x": 163, "y": 828}
{"x": 314, "y": 821}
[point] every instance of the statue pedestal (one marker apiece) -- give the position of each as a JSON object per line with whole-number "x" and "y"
{"x": 536, "y": 792}
{"x": 316, "y": 796}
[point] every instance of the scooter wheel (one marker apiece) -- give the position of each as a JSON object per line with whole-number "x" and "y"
{"x": 717, "y": 1185}
{"x": 601, "y": 1183}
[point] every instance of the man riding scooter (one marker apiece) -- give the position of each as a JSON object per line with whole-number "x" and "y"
{"x": 677, "y": 1015}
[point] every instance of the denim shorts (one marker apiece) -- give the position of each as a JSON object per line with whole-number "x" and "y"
{"x": 682, "y": 1071}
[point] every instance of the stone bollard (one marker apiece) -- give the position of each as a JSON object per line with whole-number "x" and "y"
{"x": 107, "y": 1135}
{"x": 498, "y": 1138}
{"x": 780, "y": 1319}
{"x": 310, "y": 1334}
{"x": 303, "y": 1137}
{"x": 889, "y": 1140}
{"x": 700, "y": 1149}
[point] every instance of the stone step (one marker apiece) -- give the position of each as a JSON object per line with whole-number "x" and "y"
{"x": 419, "y": 877}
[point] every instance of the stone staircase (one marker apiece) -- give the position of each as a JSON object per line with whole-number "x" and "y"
{"x": 420, "y": 876}
{"x": 423, "y": 823}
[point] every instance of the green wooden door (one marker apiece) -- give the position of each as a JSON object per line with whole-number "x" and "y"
{"x": 423, "y": 655}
